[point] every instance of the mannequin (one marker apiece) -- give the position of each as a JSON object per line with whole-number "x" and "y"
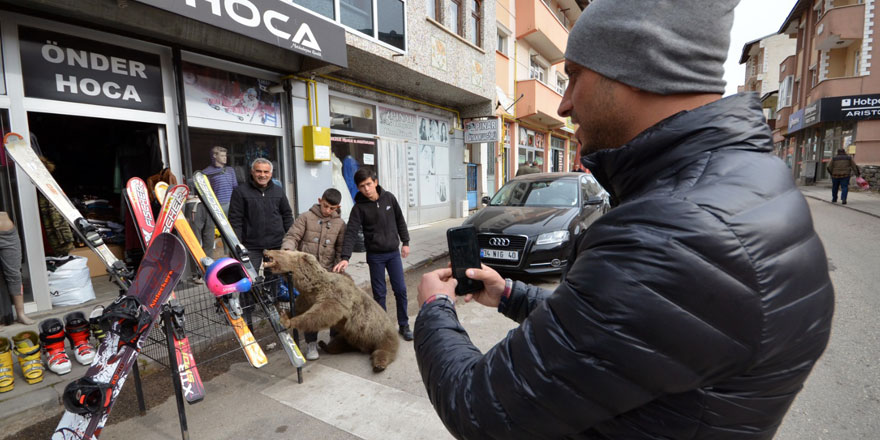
{"x": 10, "y": 259}
{"x": 222, "y": 177}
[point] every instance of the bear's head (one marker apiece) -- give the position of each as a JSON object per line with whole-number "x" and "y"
{"x": 304, "y": 267}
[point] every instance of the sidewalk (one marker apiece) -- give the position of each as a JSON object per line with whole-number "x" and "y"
{"x": 30, "y": 403}
{"x": 867, "y": 202}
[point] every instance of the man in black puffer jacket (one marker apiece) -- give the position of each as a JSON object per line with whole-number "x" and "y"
{"x": 697, "y": 307}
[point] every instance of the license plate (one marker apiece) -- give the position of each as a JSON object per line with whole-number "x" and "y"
{"x": 499, "y": 254}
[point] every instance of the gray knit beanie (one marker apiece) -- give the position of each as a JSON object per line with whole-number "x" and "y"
{"x": 661, "y": 46}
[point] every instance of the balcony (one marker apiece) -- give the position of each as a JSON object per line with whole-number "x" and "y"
{"x": 788, "y": 66}
{"x": 782, "y": 119}
{"x": 839, "y": 26}
{"x": 538, "y": 104}
{"x": 840, "y": 87}
{"x": 541, "y": 29}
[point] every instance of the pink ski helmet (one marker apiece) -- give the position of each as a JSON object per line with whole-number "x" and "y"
{"x": 227, "y": 275}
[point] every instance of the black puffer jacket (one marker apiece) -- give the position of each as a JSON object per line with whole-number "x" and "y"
{"x": 695, "y": 309}
{"x": 259, "y": 216}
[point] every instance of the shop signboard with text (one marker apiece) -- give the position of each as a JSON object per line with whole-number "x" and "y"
{"x": 66, "y": 68}
{"x": 482, "y": 130}
{"x": 850, "y": 108}
{"x": 271, "y": 21}
{"x": 397, "y": 124}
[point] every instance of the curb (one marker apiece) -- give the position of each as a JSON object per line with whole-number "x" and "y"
{"x": 844, "y": 206}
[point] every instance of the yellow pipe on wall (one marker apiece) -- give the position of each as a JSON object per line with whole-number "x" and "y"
{"x": 309, "y": 83}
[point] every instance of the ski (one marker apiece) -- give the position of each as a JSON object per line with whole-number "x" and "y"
{"x": 127, "y": 322}
{"x": 21, "y": 152}
{"x": 249, "y": 344}
{"x": 139, "y": 205}
{"x": 206, "y": 194}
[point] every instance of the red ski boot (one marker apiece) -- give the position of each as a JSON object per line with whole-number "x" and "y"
{"x": 77, "y": 328}
{"x": 52, "y": 339}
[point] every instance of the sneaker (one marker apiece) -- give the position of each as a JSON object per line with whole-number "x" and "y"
{"x": 198, "y": 280}
{"x": 406, "y": 333}
{"x": 834, "y": 201}
{"x": 312, "y": 351}
{"x": 843, "y": 202}
{"x": 52, "y": 340}
{"x": 77, "y": 329}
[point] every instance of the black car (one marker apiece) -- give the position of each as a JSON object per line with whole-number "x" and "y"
{"x": 529, "y": 226}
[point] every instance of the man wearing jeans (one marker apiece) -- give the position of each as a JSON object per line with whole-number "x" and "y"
{"x": 379, "y": 214}
{"x": 841, "y": 168}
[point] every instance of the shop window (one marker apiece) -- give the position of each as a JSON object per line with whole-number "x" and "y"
{"x": 349, "y": 115}
{"x": 352, "y": 154}
{"x": 241, "y": 150}
{"x": 475, "y": 29}
{"x": 391, "y": 22}
{"x": 357, "y": 14}
{"x": 323, "y": 7}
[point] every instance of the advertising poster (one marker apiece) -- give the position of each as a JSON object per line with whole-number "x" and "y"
{"x": 433, "y": 130}
{"x": 227, "y": 96}
{"x": 433, "y": 174}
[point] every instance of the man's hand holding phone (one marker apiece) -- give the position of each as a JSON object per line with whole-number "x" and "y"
{"x": 441, "y": 282}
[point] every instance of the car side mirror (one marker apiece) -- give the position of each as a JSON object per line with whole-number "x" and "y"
{"x": 485, "y": 200}
{"x": 594, "y": 200}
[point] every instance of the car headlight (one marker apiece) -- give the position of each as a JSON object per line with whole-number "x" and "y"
{"x": 552, "y": 237}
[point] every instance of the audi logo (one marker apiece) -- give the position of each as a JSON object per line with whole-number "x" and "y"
{"x": 498, "y": 241}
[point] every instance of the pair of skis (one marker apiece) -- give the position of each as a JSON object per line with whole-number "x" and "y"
{"x": 261, "y": 295}
{"x": 139, "y": 205}
{"x": 252, "y": 350}
{"x": 91, "y": 397}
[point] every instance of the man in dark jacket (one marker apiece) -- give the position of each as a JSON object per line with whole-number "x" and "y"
{"x": 259, "y": 212}
{"x": 696, "y": 308}
{"x": 378, "y": 212}
{"x": 841, "y": 168}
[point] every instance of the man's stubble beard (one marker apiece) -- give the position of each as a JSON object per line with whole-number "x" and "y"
{"x": 607, "y": 127}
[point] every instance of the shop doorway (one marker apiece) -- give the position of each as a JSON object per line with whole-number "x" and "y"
{"x": 92, "y": 159}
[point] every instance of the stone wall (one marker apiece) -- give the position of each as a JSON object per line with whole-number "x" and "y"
{"x": 871, "y": 173}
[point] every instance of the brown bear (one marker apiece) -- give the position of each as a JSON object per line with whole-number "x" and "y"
{"x": 332, "y": 300}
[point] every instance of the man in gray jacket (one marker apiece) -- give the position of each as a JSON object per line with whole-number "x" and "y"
{"x": 696, "y": 308}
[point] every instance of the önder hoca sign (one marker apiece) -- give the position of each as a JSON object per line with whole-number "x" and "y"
{"x": 66, "y": 68}
{"x": 272, "y": 21}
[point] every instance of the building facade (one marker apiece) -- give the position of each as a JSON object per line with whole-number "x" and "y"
{"x": 828, "y": 93}
{"x": 529, "y": 83}
{"x": 113, "y": 89}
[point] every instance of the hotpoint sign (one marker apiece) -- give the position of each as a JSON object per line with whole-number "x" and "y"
{"x": 845, "y": 108}
{"x": 272, "y": 21}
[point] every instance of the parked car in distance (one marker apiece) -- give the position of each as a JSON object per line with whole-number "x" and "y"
{"x": 529, "y": 226}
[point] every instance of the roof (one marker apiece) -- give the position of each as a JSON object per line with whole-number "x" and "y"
{"x": 748, "y": 47}
{"x": 794, "y": 15}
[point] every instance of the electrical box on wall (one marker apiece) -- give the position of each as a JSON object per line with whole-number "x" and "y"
{"x": 316, "y": 143}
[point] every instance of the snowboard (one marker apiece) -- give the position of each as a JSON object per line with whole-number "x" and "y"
{"x": 159, "y": 272}
{"x": 249, "y": 344}
{"x": 139, "y": 206}
{"x": 20, "y": 151}
{"x": 207, "y": 196}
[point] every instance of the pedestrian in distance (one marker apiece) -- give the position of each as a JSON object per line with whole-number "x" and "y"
{"x": 379, "y": 214}
{"x": 320, "y": 232}
{"x": 841, "y": 167}
{"x": 695, "y": 308}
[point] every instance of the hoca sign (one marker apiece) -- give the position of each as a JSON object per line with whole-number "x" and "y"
{"x": 271, "y": 21}
{"x": 65, "y": 68}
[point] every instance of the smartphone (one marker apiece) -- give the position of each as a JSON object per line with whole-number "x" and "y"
{"x": 464, "y": 253}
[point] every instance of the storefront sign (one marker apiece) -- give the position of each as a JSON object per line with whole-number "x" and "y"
{"x": 65, "y": 68}
{"x": 811, "y": 114}
{"x": 484, "y": 130}
{"x": 796, "y": 121}
{"x": 397, "y": 124}
{"x": 271, "y": 21}
{"x": 850, "y": 108}
{"x": 227, "y": 96}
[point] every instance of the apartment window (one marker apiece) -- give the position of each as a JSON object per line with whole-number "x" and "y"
{"x": 536, "y": 70}
{"x": 561, "y": 84}
{"x": 857, "y": 57}
{"x": 323, "y": 7}
{"x": 391, "y": 22}
{"x": 433, "y": 9}
{"x": 357, "y": 14}
{"x": 453, "y": 13}
{"x": 560, "y": 14}
{"x": 785, "y": 92}
{"x": 474, "y": 27}
{"x": 502, "y": 43}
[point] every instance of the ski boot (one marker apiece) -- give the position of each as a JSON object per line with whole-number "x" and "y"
{"x": 95, "y": 324}
{"x": 7, "y": 379}
{"x": 77, "y": 329}
{"x": 27, "y": 348}
{"x": 52, "y": 337}
{"x": 86, "y": 397}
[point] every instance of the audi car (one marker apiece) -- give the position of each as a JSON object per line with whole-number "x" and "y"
{"x": 529, "y": 226}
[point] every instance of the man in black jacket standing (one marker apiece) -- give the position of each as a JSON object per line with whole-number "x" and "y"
{"x": 378, "y": 212}
{"x": 695, "y": 308}
{"x": 259, "y": 212}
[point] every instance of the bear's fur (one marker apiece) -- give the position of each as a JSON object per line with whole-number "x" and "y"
{"x": 332, "y": 300}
